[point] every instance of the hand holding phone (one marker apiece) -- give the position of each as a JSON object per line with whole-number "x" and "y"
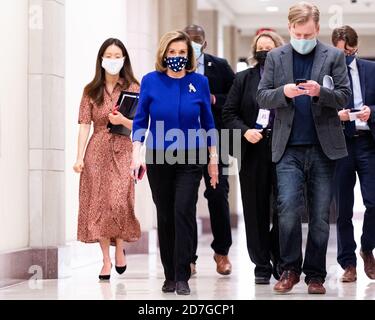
{"x": 292, "y": 90}
{"x": 300, "y": 81}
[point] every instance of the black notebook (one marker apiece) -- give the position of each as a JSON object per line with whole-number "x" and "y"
{"x": 127, "y": 102}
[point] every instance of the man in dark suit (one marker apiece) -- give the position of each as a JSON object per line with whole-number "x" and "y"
{"x": 360, "y": 140}
{"x": 220, "y": 77}
{"x": 307, "y": 139}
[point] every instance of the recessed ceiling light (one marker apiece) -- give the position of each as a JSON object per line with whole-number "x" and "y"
{"x": 272, "y": 9}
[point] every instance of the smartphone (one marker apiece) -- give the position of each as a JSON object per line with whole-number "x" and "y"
{"x": 299, "y": 81}
{"x": 140, "y": 175}
{"x": 353, "y": 114}
{"x": 355, "y": 110}
{"x": 141, "y": 172}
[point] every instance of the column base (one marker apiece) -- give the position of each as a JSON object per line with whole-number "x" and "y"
{"x": 28, "y": 264}
{"x": 56, "y": 262}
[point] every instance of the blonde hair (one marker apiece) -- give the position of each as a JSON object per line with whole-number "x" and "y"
{"x": 303, "y": 12}
{"x": 165, "y": 42}
{"x": 276, "y": 38}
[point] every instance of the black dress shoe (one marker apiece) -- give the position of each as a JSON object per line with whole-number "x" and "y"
{"x": 182, "y": 288}
{"x": 105, "y": 277}
{"x": 262, "y": 280}
{"x": 121, "y": 270}
{"x": 169, "y": 286}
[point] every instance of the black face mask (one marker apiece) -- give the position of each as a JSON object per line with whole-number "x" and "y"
{"x": 261, "y": 56}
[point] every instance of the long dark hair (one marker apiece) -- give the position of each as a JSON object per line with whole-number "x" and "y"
{"x": 95, "y": 89}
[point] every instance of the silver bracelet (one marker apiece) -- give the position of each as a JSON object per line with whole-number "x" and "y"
{"x": 214, "y": 155}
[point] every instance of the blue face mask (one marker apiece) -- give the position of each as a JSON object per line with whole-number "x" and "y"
{"x": 350, "y": 59}
{"x": 197, "y": 49}
{"x": 303, "y": 46}
{"x": 176, "y": 64}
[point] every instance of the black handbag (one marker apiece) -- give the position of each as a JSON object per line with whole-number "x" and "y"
{"x": 127, "y": 104}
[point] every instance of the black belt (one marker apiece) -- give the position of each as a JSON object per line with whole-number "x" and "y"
{"x": 362, "y": 133}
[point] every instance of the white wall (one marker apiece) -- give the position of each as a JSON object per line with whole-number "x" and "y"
{"x": 133, "y": 22}
{"x": 142, "y": 38}
{"x": 14, "y": 226}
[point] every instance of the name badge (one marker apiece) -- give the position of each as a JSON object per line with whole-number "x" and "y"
{"x": 263, "y": 118}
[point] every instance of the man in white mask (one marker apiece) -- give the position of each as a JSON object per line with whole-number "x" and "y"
{"x": 220, "y": 77}
{"x": 307, "y": 141}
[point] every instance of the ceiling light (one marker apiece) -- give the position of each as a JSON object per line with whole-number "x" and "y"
{"x": 272, "y": 9}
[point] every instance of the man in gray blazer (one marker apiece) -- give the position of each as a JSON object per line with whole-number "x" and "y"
{"x": 307, "y": 139}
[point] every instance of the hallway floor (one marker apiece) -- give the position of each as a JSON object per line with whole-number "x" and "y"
{"x": 144, "y": 278}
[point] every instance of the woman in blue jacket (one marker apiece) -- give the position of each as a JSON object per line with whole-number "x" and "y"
{"x": 175, "y": 105}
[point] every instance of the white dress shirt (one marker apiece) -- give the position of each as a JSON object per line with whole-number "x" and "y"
{"x": 200, "y": 62}
{"x": 357, "y": 94}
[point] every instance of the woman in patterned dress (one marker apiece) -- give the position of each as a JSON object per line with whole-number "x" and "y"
{"x": 106, "y": 194}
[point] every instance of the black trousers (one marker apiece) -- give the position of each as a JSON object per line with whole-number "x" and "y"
{"x": 175, "y": 194}
{"x": 361, "y": 161}
{"x": 218, "y": 207}
{"x": 258, "y": 182}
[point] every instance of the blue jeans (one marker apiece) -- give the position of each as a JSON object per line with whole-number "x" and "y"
{"x": 304, "y": 176}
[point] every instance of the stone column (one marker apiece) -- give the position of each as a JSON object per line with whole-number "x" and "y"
{"x": 142, "y": 42}
{"x": 176, "y": 14}
{"x": 208, "y": 19}
{"x": 46, "y": 131}
{"x": 231, "y": 41}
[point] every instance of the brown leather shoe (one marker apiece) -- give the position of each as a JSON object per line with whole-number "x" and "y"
{"x": 350, "y": 275}
{"x": 316, "y": 287}
{"x": 223, "y": 265}
{"x": 287, "y": 281}
{"x": 369, "y": 262}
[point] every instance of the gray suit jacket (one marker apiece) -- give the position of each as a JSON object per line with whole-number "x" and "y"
{"x": 279, "y": 72}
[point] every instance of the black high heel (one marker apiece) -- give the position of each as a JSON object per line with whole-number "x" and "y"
{"x": 121, "y": 270}
{"x": 106, "y": 277}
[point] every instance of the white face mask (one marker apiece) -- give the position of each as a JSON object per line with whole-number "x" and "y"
{"x": 113, "y": 66}
{"x": 197, "y": 49}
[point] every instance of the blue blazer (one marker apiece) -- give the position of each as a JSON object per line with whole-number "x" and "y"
{"x": 366, "y": 71}
{"x": 180, "y": 107}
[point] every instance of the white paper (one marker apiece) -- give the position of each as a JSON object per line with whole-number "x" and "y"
{"x": 328, "y": 82}
{"x": 361, "y": 125}
{"x": 263, "y": 117}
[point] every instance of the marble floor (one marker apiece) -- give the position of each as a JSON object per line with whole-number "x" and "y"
{"x": 144, "y": 277}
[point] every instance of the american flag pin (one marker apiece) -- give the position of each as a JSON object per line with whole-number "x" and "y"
{"x": 192, "y": 88}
